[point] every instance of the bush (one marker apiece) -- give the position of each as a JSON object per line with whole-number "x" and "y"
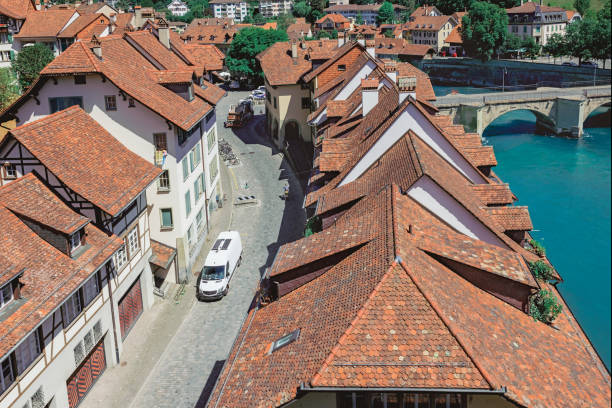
{"x": 544, "y": 307}
{"x": 541, "y": 270}
{"x": 537, "y": 248}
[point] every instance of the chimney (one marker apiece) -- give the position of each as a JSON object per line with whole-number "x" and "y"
{"x": 369, "y": 95}
{"x": 113, "y": 17}
{"x": 391, "y": 70}
{"x": 371, "y": 48}
{"x": 38, "y": 5}
{"x": 294, "y": 49}
{"x": 340, "y": 38}
{"x": 163, "y": 32}
{"x": 360, "y": 40}
{"x": 407, "y": 87}
{"x": 96, "y": 47}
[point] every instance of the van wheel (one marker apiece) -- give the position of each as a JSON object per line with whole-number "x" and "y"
{"x": 226, "y": 290}
{"x": 239, "y": 261}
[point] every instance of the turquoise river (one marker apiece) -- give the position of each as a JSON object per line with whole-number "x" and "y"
{"x": 566, "y": 184}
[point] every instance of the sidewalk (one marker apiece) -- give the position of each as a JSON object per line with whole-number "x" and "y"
{"x": 152, "y": 333}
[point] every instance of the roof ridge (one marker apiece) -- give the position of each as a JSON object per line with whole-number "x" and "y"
{"x": 351, "y": 326}
{"x": 487, "y": 377}
{"x": 90, "y": 57}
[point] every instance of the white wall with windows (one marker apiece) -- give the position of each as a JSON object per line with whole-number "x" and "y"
{"x": 147, "y": 134}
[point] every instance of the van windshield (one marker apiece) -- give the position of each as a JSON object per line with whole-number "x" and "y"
{"x": 213, "y": 272}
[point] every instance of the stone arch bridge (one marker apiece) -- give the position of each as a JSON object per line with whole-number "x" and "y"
{"x": 560, "y": 111}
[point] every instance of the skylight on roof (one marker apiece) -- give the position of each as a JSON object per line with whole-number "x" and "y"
{"x": 283, "y": 341}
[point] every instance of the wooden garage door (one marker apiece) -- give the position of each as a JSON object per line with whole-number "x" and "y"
{"x": 86, "y": 375}
{"x": 130, "y": 308}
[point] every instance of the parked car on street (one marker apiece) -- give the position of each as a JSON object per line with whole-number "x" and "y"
{"x": 221, "y": 263}
{"x": 590, "y": 64}
{"x": 570, "y": 64}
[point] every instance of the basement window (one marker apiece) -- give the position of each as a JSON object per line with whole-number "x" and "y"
{"x": 283, "y": 341}
{"x": 80, "y": 79}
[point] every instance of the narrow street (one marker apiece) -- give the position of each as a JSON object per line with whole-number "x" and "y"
{"x": 193, "y": 352}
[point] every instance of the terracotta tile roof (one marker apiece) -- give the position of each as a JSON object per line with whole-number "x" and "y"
{"x": 570, "y": 14}
{"x": 210, "y": 34}
{"x": 79, "y": 24}
{"x": 481, "y": 156}
{"x": 212, "y": 21}
{"x": 531, "y": 7}
{"x": 341, "y": 79}
{"x": 88, "y": 159}
{"x": 384, "y": 317}
{"x": 455, "y": 36}
{"x": 298, "y": 30}
{"x": 493, "y": 194}
{"x": 423, "y": 11}
{"x": 424, "y": 88}
{"x": 399, "y": 46}
{"x": 280, "y": 69}
{"x": 92, "y": 8}
{"x": 28, "y": 197}
{"x": 338, "y": 8}
{"x": 336, "y": 18}
{"x": 17, "y": 9}
{"x": 515, "y": 218}
{"x": 123, "y": 23}
{"x": 46, "y": 23}
{"x": 428, "y": 23}
{"x": 161, "y": 255}
{"x": 207, "y": 55}
{"x": 210, "y": 93}
{"x": 134, "y": 78}
{"x": 338, "y": 53}
{"x": 49, "y": 276}
{"x": 8, "y": 270}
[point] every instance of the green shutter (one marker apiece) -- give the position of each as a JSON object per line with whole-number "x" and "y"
{"x": 12, "y": 55}
{"x": 10, "y": 38}
{"x": 185, "y": 168}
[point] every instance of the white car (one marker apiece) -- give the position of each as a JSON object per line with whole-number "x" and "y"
{"x": 221, "y": 263}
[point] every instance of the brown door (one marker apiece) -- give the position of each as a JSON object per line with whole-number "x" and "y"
{"x": 130, "y": 308}
{"x": 86, "y": 375}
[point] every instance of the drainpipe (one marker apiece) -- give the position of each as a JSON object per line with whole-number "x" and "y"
{"x": 112, "y": 306}
{"x": 204, "y": 169}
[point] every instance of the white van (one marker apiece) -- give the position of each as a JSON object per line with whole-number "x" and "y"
{"x": 221, "y": 263}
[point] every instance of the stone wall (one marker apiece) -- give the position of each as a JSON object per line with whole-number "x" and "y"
{"x": 522, "y": 75}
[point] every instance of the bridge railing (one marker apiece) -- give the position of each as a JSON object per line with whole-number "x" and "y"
{"x": 453, "y": 100}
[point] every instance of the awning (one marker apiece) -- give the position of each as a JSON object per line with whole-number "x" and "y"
{"x": 162, "y": 255}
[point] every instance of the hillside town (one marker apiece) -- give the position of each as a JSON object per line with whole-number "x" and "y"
{"x": 280, "y": 203}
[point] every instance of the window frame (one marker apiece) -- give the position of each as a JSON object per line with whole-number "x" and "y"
{"x": 6, "y": 380}
{"x": 187, "y": 197}
{"x": 162, "y": 226}
{"x": 164, "y": 178}
{"x": 64, "y": 104}
{"x": 305, "y": 103}
{"x": 32, "y": 345}
{"x": 341, "y": 67}
{"x": 212, "y": 135}
{"x": 110, "y": 103}
{"x": 80, "y": 79}
{"x": 185, "y": 166}
{"x": 284, "y": 340}
{"x": 122, "y": 251}
{"x": 3, "y": 299}
{"x": 128, "y": 242}
{"x": 11, "y": 168}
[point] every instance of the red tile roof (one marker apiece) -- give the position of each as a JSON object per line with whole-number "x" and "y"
{"x": 49, "y": 276}
{"x": 207, "y": 55}
{"x": 336, "y": 18}
{"x": 134, "y": 79}
{"x": 17, "y": 9}
{"x": 400, "y": 46}
{"x": 161, "y": 254}
{"x": 92, "y": 8}
{"x": 455, "y": 36}
{"x": 424, "y": 11}
{"x": 123, "y": 23}
{"x": 210, "y": 34}
{"x": 384, "y": 317}
{"x": 47, "y": 23}
{"x": 428, "y": 23}
{"x": 80, "y": 24}
{"x": 88, "y": 159}
{"x": 281, "y": 69}
{"x": 493, "y": 194}
{"x": 531, "y": 7}
{"x": 514, "y": 218}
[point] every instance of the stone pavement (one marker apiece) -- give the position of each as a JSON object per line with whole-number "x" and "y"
{"x": 196, "y": 340}
{"x": 155, "y": 328}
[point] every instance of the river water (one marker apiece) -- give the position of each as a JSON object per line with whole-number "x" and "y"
{"x": 566, "y": 184}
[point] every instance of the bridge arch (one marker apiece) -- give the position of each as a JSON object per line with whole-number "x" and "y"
{"x": 592, "y": 105}
{"x": 541, "y": 111}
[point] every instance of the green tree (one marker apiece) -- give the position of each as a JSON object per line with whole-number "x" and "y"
{"x": 30, "y": 61}
{"x": 9, "y": 90}
{"x": 582, "y": 6}
{"x": 359, "y": 19}
{"x": 513, "y": 42}
{"x": 258, "y": 19}
{"x": 556, "y": 46}
{"x": 385, "y": 13}
{"x": 301, "y": 9}
{"x": 605, "y": 28}
{"x": 247, "y": 44}
{"x": 314, "y": 15}
{"x": 284, "y": 20}
{"x": 532, "y": 50}
{"x": 484, "y": 30}
{"x": 147, "y": 3}
{"x": 322, "y": 34}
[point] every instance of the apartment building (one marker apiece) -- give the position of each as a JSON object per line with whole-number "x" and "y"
{"x": 415, "y": 288}
{"x": 160, "y": 108}
{"x": 338, "y": 2}
{"x": 234, "y": 9}
{"x": 178, "y": 8}
{"x": 74, "y": 273}
{"x": 535, "y": 20}
{"x": 430, "y": 30}
{"x": 12, "y": 16}
{"x": 368, "y": 12}
{"x": 274, "y": 8}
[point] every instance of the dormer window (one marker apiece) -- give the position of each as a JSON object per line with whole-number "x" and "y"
{"x": 75, "y": 241}
{"x": 6, "y": 294}
{"x": 283, "y": 341}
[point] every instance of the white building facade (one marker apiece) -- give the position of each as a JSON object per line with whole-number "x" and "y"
{"x": 9, "y": 26}
{"x": 237, "y": 10}
{"x": 274, "y": 8}
{"x": 178, "y": 8}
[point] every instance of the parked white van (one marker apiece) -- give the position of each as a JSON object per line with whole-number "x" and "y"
{"x": 221, "y": 263}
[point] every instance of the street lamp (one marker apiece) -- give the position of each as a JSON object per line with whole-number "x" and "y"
{"x": 504, "y": 73}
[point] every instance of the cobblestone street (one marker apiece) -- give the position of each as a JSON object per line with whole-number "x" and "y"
{"x": 190, "y": 363}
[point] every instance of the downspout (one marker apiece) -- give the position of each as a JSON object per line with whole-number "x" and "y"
{"x": 204, "y": 170}
{"x": 112, "y": 306}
